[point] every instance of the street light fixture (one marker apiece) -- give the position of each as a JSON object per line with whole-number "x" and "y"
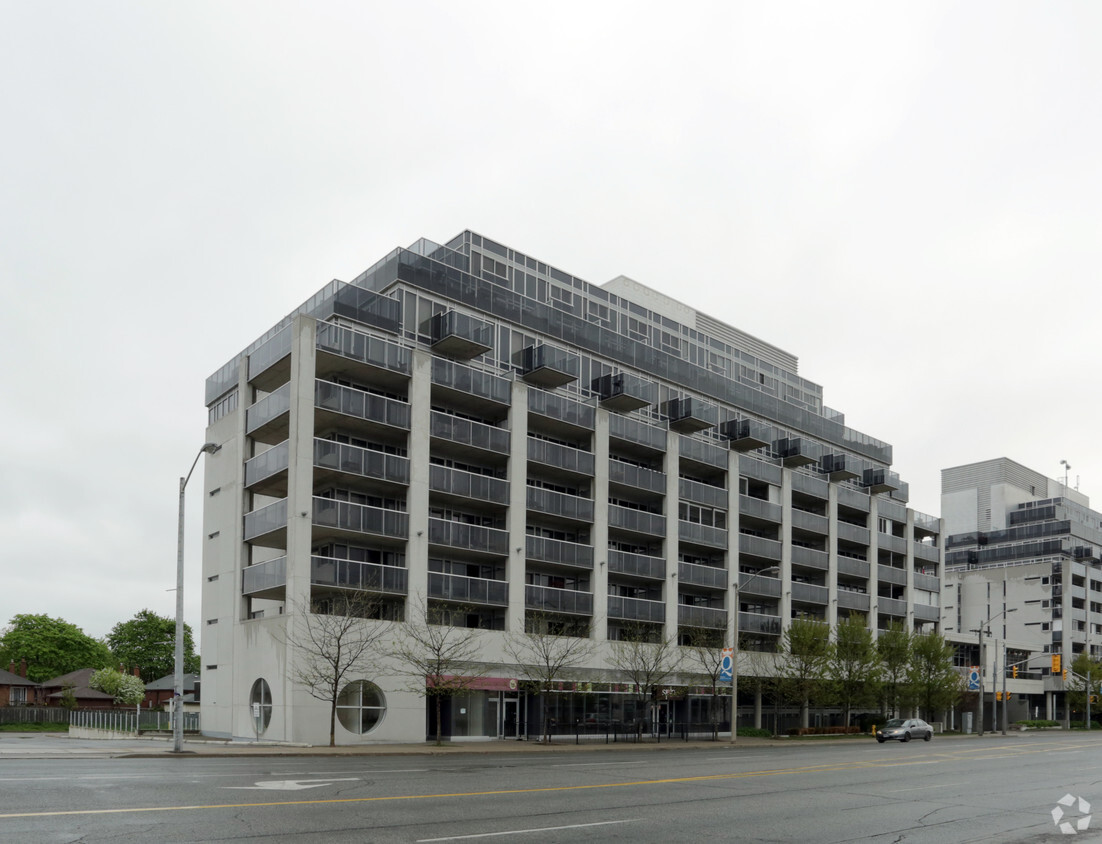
{"x": 979, "y": 631}
{"x": 178, "y": 676}
{"x": 735, "y": 649}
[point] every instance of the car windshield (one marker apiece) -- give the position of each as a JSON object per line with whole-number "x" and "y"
{"x": 895, "y": 722}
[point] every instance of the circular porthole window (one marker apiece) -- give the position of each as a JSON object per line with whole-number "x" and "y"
{"x": 260, "y": 705}
{"x": 360, "y": 706}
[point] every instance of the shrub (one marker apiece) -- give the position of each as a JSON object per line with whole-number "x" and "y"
{"x": 754, "y": 732}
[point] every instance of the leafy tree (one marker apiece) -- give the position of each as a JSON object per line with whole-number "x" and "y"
{"x": 805, "y": 648}
{"x": 50, "y": 646}
{"x": 438, "y": 660}
{"x": 1085, "y": 675}
{"x": 703, "y": 657}
{"x": 124, "y": 688}
{"x": 646, "y": 664}
{"x": 894, "y": 648}
{"x": 331, "y": 648}
{"x": 934, "y": 682}
{"x": 854, "y": 665}
{"x": 546, "y": 651}
{"x": 148, "y": 642}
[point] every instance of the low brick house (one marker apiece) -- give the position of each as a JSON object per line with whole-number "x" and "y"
{"x": 16, "y": 690}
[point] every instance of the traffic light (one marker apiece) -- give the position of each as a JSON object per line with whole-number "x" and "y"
{"x": 1014, "y": 672}
{"x": 998, "y": 695}
{"x": 1056, "y": 663}
{"x": 1065, "y": 675}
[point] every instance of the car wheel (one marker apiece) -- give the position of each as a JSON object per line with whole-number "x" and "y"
{"x": 929, "y": 736}
{"x": 879, "y": 740}
{"x": 906, "y": 737}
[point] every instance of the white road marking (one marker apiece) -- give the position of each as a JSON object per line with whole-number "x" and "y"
{"x": 288, "y": 785}
{"x": 525, "y": 831}
{"x": 923, "y": 787}
{"x": 600, "y": 764}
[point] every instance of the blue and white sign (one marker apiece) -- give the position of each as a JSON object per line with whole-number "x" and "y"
{"x": 974, "y": 678}
{"x": 727, "y": 665}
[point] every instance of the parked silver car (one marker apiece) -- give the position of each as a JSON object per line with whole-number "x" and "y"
{"x": 904, "y": 729}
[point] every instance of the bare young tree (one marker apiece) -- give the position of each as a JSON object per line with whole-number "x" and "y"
{"x": 332, "y": 644}
{"x": 804, "y": 647}
{"x": 438, "y": 659}
{"x": 545, "y": 652}
{"x": 646, "y": 663}
{"x": 703, "y": 658}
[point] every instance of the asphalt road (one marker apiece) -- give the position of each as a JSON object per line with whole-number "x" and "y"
{"x": 949, "y": 790}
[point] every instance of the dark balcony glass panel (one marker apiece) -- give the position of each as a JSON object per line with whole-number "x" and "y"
{"x": 752, "y": 622}
{"x": 747, "y": 434}
{"x": 628, "y": 474}
{"x": 927, "y": 582}
{"x": 562, "y": 409}
{"x": 706, "y": 494}
{"x": 797, "y": 451}
{"x": 360, "y": 518}
{"x": 841, "y": 467}
{"x": 551, "y": 600}
{"x": 809, "y": 593}
{"x": 460, "y": 335}
{"x": 853, "y": 533}
{"x": 636, "y": 565}
{"x": 367, "y": 307}
{"x": 268, "y": 409}
{"x": 637, "y": 521}
{"x": 470, "y": 537}
{"x": 925, "y": 612}
{"x": 365, "y": 577}
{"x": 710, "y": 617}
{"x": 688, "y": 415}
{"x": 354, "y": 460}
{"x": 623, "y": 392}
{"x": 637, "y": 432}
{"x": 269, "y": 576}
{"x": 880, "y": 480}
{"x": 891, "y": 606}
{"x": 273, "y": 350}
{"x": 355, "y": 345}
{"x": 362, "y": 405}
{"x": 702, "y": 452}
{"x": 551, "y": 503}
{"x": 810, "y": 557}
{"x": 759, "y": 509}
{"x": 853, "y": 600}
{"x": 759, "y": 584}
{"x": 547, "y": 550}
{"x": 697, "y": 575}
{"x": 468, "y": 590}
{"x": 457, "y": 376}
{"x": 468, "y": 485}
{"x": 887, "y": 574}
{"x": 269, "y": 463}
{"x": 712, "y": 537}
{"x": 549, "y": 366}
{"x": 636, "y": 609}
{"x": 267, "y": 519}
{"x": 854, "y": 568}
{"x": 561, "y": 457}
{"x": 757, "y": 546}
{"x": 456, "y": 429}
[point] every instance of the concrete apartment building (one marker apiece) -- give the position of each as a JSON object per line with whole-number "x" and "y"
{"x": 1024, "y": 550}
{"x": 466, "y": 427}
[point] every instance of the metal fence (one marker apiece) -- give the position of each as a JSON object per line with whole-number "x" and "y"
{"x": 634, "y": 732}
{"x": 33, "y": 715}
{"x": 124, "y": 721}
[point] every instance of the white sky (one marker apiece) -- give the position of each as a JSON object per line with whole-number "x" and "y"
{"x": 905, "y": 195}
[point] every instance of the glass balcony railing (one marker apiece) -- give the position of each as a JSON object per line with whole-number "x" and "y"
{"x": 624, "y": 392}
{"x": 927, "y": 583}
{"x": 808, "y": 485}
{"x": 690, "y": 415}
{"x": 468, "y": 537}
{"x": 355, "y": 345}
{"x": 636, "y": 521}
{"x": 759, "y": 584}
{"x": 698, "y": 493}
{"x": 360, "y": 518}
{"x": 853, "y": 533}
{"x": 712, "y": 537}
{"x": 694, "y": 574}
{"x": 474, "y": 382}
{"x": 890, "y": 574}
{"x": 264, "y": 577}
{"x": 268, "y": 408}
{"x": 853, "y": 600}
{"x": 468, "y": 590}
{"x": 365, "y": 577}
{"x": 926, "y": 552}
{"x": 759, "y": 509}
{"x": 365, "y": 462}
{"x": 888, "y": 542}
{"x": 267, "y": 519}
{"x": 561, "y": 408}
{"x": 269, "y": 463}
{"x": 549, "y": 366}
{"x": 752, "y": 622}
{"x": 469, "y": 485}
{"x": 636, "y": 431}
{"x": 810, "y": 522}
{"x": 692, "y": 448}
{"x": 796, "y": 451}
{"x": 362, "y": 405}
{"x": 560, "y": 457}
{"x": 810, "y": 557}
{"x": 694, "y": 616}
{"x": 552, "y": 600}
{"x": 544, "y": 549}
{"x": 271, "y": 352}
{"x": 636, "y": 609}
{"x": 460, "y": 335}
{"x": 892, "y": 606}
{"x": 467, "y": 432}
{"x": 636, "y": 565}
{"x": 565, "y": 506}
{"x": 758, "y": 546}
{"x": 747, "y": 435}
{"x": 925, "y": 612}
{"x": 639, "y": 477}
{"x": 810, "y": 593}
{"x": 855, "y": 568}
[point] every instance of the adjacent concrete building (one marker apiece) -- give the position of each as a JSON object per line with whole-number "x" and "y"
{"x": 466, "y": 427}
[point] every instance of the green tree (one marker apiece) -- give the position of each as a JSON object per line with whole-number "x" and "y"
{"x": 804, "y": 649}
{"x": 854, "y": 665}
{"x": 148, "y": 642}
{"x": 894, "y": 648}
{"x": 1085, "y": 674}
{"x": 934, "y": 681}
{"x": 124, "y": 688}
{"x": 646, "y": 659}
{"x": 50, "y": 646}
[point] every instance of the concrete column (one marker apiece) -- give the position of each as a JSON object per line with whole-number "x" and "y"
{"x": 786, "y": 548}
{"x": 517, "y": 519}
{"x": 670, "y": 507}
{"x": 874, "y": 571}
{"x": 417, "y": 497}
{"x": 832, "y": 555}
{"x": 599, "y": 535}
{"x": 909, "y": 562}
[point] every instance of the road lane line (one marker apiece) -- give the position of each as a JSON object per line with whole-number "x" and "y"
{"x": 525, "y": 831}
{"x": 925, "y": 787}
{"x": 592, "y": 764}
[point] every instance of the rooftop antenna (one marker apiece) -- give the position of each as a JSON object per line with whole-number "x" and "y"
{"x": 1066, "y": 466}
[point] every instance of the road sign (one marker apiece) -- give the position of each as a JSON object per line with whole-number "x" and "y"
{"x": 727, "y": 665}
{"x": 974, "y": 678}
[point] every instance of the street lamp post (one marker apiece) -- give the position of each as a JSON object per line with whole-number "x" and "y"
{"x": 735, "y": 649}
{"x": 178, "y": 675}
{"x": 979, "y": 703}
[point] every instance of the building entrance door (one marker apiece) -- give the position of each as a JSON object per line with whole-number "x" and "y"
{"x": 509, "y": 715}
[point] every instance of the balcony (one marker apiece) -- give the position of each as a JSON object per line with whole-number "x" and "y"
{"x": 270, "y": 362}
{"x": 841, "y": 467}
{"x": 854, "y": 568}
{"x": 363, "y": 577}
{"x": 699, "y": 451}
{"x": 636, "y": 565}
{"x": 562, "y": 505}
{"x": 468, "y": 590}
{"x": 758, "y": 546}
{"x": 551, "y": 600}
{"x": 858, "y": 601}
{"x": 567, "y": 411}
{"x": 926, "y": 552}
{"x": 468, "y": 485}
{"x": 758, "y": 508}
{"x": 468, "y": 537}
{"x": 347, "y": 459}
{"x": 470, "y": 387}
{"x": 853, "y": 533}
{"x": 752, "y": 622}
{"x": 558, "y": 551}
{"x": 697, "y": 534}
{"x": 467, "y": 433}
{"x": 889, "y": 574}
{"x": 265, "y": 580}
{"x": 460, "y": 336}
{"x": 689, "y": 415}
{"x": 927, "y": 583}
{"x": 266, "y": 466}
{"x": 853, "y": 498}
{"x": 268, "y": 420}
{"x": 622, "y": 392}
{"x": 549, "y": 366}
{"x": 796, "y": 451}
{"x": 698, "y": 493}
{"x": 756, "y": 584}
{"x": 810, "y": 522}
{"x": 925, "y": 612}
{"x": 890, "y": 542}
{"x": 746, "y": 434}
{"x": 636, "y": 477}
{"x": 636, "y": 609}
{"x": 689, "y": 615}
{"x": 892, "y": 606}
{"x": 336, "y": 399}
{"x": 267, "y": 526}
{"x": 561, "y": 459}
{"x": 810, "y": 558}
{"x": 811, "y": 485}
{"x": 809, "y": 593}
{"x": 345, "y": 519}
{"x": 711, "y": 577}
{"x": 636, "y": 521}
{"x": 383, "y": 361}
{"x": 636, "y": 432}
{"x": 880, "y": 480}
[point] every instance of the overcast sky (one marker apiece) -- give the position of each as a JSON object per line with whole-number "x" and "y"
{"x": 904, "y": 195}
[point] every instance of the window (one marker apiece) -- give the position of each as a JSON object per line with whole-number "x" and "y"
{"x": 360, "y": 707}
{"x": 260, "y": 702}
{"x": 18, "y": 695}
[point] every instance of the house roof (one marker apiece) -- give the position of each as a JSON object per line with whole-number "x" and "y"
{"x": 9, "y": 679}
{"x": 168, "y": 683}
{"x": 78, "y": 682}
